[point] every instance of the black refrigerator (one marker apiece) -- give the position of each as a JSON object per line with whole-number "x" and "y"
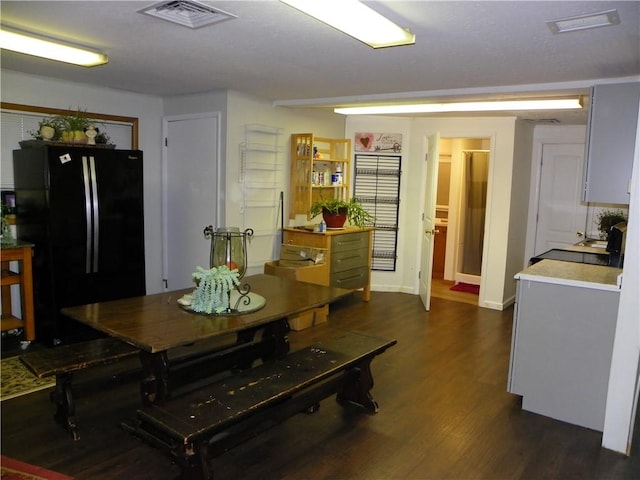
{"x": 82, "y": 208}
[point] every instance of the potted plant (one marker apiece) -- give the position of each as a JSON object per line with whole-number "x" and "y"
{"x": 607, "y": 219}
{"x": 73, "y": 126}
{"x": 6, "y": 236}
{"x": 336, "y": 211}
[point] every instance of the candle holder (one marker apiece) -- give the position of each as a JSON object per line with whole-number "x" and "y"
{"x": 229, "y": 248}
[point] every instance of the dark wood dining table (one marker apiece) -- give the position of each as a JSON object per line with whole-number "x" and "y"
{"x": 157, "y": 325}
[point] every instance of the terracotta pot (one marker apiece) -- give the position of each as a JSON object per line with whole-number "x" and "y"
{"x": 335, "y": 220}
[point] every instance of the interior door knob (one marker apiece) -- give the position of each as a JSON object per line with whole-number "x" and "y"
{"x": 579, "y": 234}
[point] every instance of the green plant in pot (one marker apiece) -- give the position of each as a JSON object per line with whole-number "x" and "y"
{"x": 6, "y": 236}
{"x": 73, "y": 126}
{"x": 607, "y": 219}
{"x": 336, "y": 212}
{"x": 48, "y": 129}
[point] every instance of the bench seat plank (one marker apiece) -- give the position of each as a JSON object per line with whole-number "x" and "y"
{"x": 76, "y": 356}
{"x": 190, "y": 426}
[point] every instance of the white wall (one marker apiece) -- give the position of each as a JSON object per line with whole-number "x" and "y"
{"x": 244, "y": 110}
{"x": 519, "y": 204}
{"x": 501, "y": 131}
{"x": 237, "y": 111}
{"x": 403, "y": 279}
{"x": 624, "y": 379}
{"x": 46, "y": 92}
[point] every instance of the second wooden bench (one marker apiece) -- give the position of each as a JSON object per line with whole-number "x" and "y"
{"x": 64, "y": 360}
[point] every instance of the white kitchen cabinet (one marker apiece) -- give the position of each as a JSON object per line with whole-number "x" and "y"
{"x": 611, "y": 136}
{"x": 562, "y": 340}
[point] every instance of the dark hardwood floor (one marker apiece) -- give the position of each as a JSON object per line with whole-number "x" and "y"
{"x": 444, "y": 414}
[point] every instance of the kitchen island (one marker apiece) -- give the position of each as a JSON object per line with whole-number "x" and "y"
{"x": 564, "y": 326}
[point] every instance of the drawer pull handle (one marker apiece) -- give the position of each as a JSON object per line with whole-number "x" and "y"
{"x": 339, "y": 260}
{"x": 346, "y": 279}
{"x": 347, "y": 242}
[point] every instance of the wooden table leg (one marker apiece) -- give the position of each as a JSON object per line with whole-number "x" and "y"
{"x": 154, "y": 387}
{"x": 27, "y": 296}
{"x": 158, "y": 382}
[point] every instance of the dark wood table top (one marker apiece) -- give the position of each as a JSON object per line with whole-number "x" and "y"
{"x": 156, "y": 323}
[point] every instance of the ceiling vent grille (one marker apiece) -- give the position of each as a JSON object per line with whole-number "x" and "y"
{"x": 188, "y": 13}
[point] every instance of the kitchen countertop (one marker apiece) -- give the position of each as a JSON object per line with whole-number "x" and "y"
{"x": 580, "y": 248}
{"x": 572, "y": 274}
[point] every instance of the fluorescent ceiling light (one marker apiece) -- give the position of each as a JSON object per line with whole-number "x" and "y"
{"x": 357, "y": 20}
{"x": 28, "y": 44}
{"x": 584, "y": 22}
{"x": 508, "y": 105}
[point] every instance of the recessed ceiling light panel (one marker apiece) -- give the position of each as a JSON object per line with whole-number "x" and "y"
{"x": 584, "y": 22}
{"x": 188, "y": 13}
{"x": 493, "y": 106}
{"x": 357, "y": 20}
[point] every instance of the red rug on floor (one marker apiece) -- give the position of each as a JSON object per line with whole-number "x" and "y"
{"x": 16, "y": 470}
{"x": 466, "y": 287}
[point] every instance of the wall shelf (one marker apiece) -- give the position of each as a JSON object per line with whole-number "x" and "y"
{"x": 313, "y": 162}
{"x": 262, "y": 179}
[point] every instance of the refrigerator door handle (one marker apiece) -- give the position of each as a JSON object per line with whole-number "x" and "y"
{"x": 87, "y": 211}
{"x": 96, "y": 218}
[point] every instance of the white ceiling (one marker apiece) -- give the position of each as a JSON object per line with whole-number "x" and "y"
{"x": 477, "y": 49}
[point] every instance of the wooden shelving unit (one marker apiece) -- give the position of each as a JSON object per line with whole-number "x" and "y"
{"x": 23, "y": 253}
{"x": 314, "y": 160}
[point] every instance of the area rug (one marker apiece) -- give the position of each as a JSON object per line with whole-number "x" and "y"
{"x": 16, "y": 470}
{"x": 466, "y": 287}
{"x": 16, "y": 380}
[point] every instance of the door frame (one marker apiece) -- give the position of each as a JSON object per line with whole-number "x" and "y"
{"x": 220, "y": 205}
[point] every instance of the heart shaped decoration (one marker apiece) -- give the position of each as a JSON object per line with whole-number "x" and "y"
{"x": 364, "y": 141}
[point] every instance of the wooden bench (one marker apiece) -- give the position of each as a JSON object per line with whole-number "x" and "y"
{"x": 204, "y": 424}
{"x": 62, "y": 361}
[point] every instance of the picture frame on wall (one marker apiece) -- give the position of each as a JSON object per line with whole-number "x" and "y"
{"x": 378, "y": 142}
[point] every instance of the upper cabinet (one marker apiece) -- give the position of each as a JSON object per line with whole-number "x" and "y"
{"x": 319, "y": 169}
{"x": 611, "y": 138}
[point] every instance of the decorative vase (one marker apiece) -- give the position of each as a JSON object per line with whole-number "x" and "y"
{"x": 229, "y": 247}
{"x": 335, "y": 220}
{"x": 47, "y": 132}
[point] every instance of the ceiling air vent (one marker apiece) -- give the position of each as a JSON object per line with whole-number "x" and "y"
{"x": 188, "y": 13}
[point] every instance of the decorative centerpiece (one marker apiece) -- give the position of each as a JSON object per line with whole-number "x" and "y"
{"x": 213, "y": 293}
{"x": 219, "y": 290}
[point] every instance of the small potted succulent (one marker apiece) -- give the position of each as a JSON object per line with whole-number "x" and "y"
{"x": 336, "y": 212}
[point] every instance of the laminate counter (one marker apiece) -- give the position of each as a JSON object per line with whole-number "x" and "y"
{"x": 572, "y": 274}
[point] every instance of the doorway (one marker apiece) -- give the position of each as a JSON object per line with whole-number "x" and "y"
{"x": 461, "y": 209}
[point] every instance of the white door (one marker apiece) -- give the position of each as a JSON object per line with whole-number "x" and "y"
{"x": 428, "y": 218}
{"x": 562, "y": 217}
{"x": 190, "y": 195}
